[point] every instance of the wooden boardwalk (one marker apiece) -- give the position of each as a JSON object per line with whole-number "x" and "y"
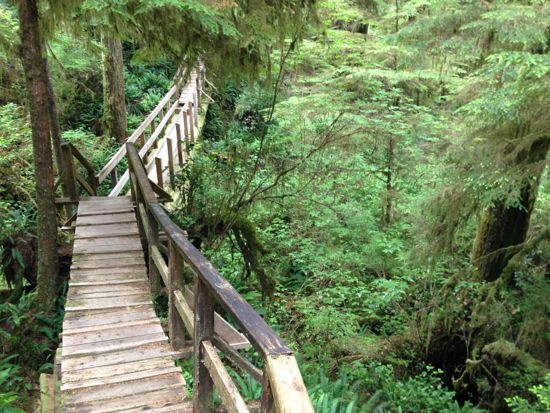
{"x": 115, "y": 355}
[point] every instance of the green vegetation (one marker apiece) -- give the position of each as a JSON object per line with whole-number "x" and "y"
{"x": 371, "y": 177}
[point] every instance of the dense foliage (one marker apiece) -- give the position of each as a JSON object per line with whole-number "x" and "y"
{"x": 375, "y": 186}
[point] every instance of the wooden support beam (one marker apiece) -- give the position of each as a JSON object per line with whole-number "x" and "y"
{"x": 289, "y": 392}
{"x": 228, "y": 391}
{"x": 170, "y": 148}
{"x": 204, "y": 329}
{"x": 235, "y": 358}
{"x": 69, "y": 171}
{"x": 185, "y": 312}
{"x": 191, "y": 127}
{"x": 176, "y": 328}
{"x": 179, "y": 139}
{"x": 161, "y": 266}
{"x": 158, "y": 166}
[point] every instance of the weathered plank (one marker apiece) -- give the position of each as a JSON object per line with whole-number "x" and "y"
{"x": 227, "y": 389}
{"x": 111, "y": 334}
{"x": 103, "y": 347}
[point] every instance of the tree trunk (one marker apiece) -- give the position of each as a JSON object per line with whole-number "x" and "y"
{"x": 36, "y": 79}
{"x": 114, "y": 104}
{"x": 503, "y": 226}
{"x": 55, "y": 129}
{"x": 388, "y": 201}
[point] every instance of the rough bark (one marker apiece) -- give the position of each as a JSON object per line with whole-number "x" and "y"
{"x": 114, "y": 104}
{"x": 36, "y": 79}
{"x": 388, "y": 204}
{"x": 502, "y": 226}
{"x": 55, "y": 129}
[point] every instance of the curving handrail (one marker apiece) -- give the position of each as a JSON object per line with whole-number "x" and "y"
{"x": 282, "y": 383}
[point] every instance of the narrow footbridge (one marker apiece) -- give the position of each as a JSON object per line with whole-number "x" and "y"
{"x": 116, "y": 355}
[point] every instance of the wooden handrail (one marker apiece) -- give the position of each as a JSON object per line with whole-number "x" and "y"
{"x": 282, "y": 383}
{"x": 119, "y": 155}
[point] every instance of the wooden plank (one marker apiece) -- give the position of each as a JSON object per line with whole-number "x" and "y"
{"x": 221, "y": 326}
{"x": 151, "y": 351}
{"x": 117, "y": 239}
{"x": 185, "y": 407}
{"x": 104, "y": 304}
{"x": 228, "y": 391}
{"x": 134, "y": 375}
{"x": 113, "y": 318}
{"x": 289, "y": 392}
{"x": 97, "y": 249}
{"x": 176, "y": 328}
{"x": 77, "y": 339}
{"x": 105, "y": 372}
{"x": 119, "y": 210}
{"x": 120, "y": 390}
{"x": 105, "y": 327}
{"x": 138, "y": 269}
{"x": 204, "y": 329}
{"x": 185, "y": 312}
{"x": 236, "y": 359}
{"x": 72, "y": 295}
{"x": 117, "y": 157}
{"x": 103, "y": 231}
{"x": 106, "y": 219}
{"x": 107, "y": 264}
{"x": 111, "y": 277}
{"x": 151, "y": 400}
{"x": 47, "y": 394}
{"x": 101, "y": 348}
{"x": 160, "y": 264}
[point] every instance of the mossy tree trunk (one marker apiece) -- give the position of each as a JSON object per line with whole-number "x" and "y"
{"x": 55, "y": 128}
{"x": 503, "y": 226}
{"x": 114, "y": 104}
{"x": 34, "y": 65}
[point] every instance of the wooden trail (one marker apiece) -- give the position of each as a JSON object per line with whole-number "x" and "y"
{"x": 115, "y": 355}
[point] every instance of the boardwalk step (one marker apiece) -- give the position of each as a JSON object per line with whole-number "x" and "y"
{"x": 120, "y": 378}
{"x": 154, "y": 401}
{"x": 115, "y": 355}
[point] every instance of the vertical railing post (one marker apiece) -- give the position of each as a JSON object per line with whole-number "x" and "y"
{"x": 178, "y": 140}
{"x": 204, "y": 329}
{"x": 195, "y": 109}
{"x": 171, "y": 172}
{"x": 114, "y": 177}
{"x": 176, "y": 328}
{"x": 158, "y": 167}
{"x": 190, "y": 122}
{"x": 198, "y": 89}
{"x": 186, "y": 125}
{"x": 154, "y": 275}
{"x": 69, "y": 175}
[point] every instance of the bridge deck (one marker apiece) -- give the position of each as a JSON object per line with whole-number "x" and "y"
{"x": 115, "y": 354}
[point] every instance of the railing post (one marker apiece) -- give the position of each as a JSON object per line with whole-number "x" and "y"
{"x": 69, "y": 176}
{"x": 204, "y": 329}
{"x": 154, "y": 275}
{"x": 191, "y": 128}
{"x": 178, "y": 137}
{"x": 114, "y": 177}
{"x": 158, "y": 166}
{"x": 171, "y": 172}
{"x": 196, "y": 109}
{"x": 176, "y": 328}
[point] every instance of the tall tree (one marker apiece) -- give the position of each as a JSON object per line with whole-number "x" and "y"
{"x": 34, "y": 65}
{"x": 114, "y": 103}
